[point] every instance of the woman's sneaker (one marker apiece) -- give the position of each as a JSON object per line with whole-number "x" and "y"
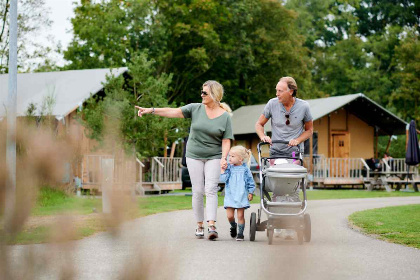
{"x": 240, "y": 237}
{"x": 199, "y": 232}
{"x": 212, "y": 233}
{"x": 233, "y": 231}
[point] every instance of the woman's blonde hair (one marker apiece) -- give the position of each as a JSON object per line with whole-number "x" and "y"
{"x": 291, "y": 84}
{"x": 243, "y": 153}
{"x": 216, "y": 93}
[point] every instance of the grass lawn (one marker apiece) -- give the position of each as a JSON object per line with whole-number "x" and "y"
{"x": 52, "y": 201}
{"x": 397, "y": 224}
{"x": 346, "y": 194}
{"x": 88, "y": 220}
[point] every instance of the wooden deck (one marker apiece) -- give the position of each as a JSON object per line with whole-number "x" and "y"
{"x": 130, "y": 174}
{"x": 339, "y": 172}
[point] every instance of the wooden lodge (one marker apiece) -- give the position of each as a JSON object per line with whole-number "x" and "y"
{"x": 68, "y": 91}
{"x": 346, "y": 131}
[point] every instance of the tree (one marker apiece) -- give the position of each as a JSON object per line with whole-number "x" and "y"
{"x": 32, "y": 17}
{"x": 353, "y": 43}
{"x": 246, "y": 45}
{"x": 407, "y": 77}
{"x": 102, "y": 34}
{"x": 375, "y": 16}
{"x": 111, "y": 117}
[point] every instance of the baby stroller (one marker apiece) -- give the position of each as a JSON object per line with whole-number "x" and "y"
{"x": 281, "y": 179}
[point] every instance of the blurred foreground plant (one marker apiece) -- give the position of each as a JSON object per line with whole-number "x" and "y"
{"x": 41, "y": 159}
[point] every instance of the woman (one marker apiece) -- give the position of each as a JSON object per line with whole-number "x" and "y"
{"x": 207, "y": 149}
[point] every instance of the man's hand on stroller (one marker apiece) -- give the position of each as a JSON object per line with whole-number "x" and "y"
{"x": 266, "y": 139}
{"x": 293, "y": 142}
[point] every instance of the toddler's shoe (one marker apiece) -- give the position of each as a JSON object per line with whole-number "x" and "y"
{"x": 212, "y": 233}
{"x": 233, "y": 231}
{"x": 240, "y": 237}
{"x": 199, "y": 232}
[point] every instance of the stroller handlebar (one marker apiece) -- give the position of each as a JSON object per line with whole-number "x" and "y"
{"x": 274, "y": 142}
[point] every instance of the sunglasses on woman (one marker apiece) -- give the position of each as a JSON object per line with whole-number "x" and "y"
{"x": 204, "y": 93}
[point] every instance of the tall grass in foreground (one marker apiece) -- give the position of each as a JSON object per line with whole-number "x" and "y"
{"x": 50, "y": 215}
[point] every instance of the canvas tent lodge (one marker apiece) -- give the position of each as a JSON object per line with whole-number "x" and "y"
{"x": 68, "y": 90}
{"x": 346, "y": 131}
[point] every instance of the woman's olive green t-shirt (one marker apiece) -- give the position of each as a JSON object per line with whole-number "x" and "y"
{"x": 206, "y": 135}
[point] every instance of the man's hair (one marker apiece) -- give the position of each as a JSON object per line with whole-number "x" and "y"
{"x": 291, "y": 84}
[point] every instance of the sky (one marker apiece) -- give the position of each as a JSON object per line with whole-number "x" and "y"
{"x": 61, "y": 12}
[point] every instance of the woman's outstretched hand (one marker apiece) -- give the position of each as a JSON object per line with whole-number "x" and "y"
{"x": 143, "y": 111}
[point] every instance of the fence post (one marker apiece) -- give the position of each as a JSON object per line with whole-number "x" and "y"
{"x": 107, "y": 182}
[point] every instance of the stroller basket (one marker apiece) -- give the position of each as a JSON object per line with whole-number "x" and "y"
{"x": 283, "y": 179}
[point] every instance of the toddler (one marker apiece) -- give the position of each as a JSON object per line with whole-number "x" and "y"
{"x": 239, "y": 188}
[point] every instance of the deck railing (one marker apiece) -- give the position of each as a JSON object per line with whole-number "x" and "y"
{"x": 336, "y": 168}
{"x": 124, "y": 171}
{"x": 351, "y": 168}
{"x": 128, "y": 172}
{"x": 166, "y": 169}
{"x": 398, "y": 165}
{"x": 345, "y": 167}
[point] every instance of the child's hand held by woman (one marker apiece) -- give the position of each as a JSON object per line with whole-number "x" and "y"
{"x": 250, "y": 196}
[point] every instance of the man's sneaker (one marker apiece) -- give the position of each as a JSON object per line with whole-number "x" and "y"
{"x": 240, "y": 237}
{"x": 233, "y": 231}
{"x": 199, "y": 232}
{"x": 212, "y": 233}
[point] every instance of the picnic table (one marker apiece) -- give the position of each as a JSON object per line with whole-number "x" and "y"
{"x": 383, "y": 179}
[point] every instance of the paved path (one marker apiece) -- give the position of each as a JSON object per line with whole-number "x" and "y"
{"x": 165, "y": 242}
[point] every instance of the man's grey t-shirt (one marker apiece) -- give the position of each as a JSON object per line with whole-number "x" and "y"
{"x": 206, "y": 135}
{"x": 299, "y": 114}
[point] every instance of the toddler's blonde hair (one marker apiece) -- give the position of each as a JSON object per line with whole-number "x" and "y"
{"x": 242, "y": 152}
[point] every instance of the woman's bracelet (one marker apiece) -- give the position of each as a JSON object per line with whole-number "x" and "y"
{"x": 153, "y": 110}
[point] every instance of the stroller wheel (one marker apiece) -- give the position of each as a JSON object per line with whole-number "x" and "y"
{"x": 270, "y": 233}
{"x": 300, "y": 236}
{"x": 253, "y": 226}
{"x": 307, "y": 230}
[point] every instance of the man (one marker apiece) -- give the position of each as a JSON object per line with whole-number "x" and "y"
{"x": 291, "y": 121}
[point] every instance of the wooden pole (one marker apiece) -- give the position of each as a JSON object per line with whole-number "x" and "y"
{"x": 376, "y": 142}
{"x": 311, "y": 158}
{"x": 165, "y": 140}
{"x": 329, "y": 137}
{"x": 173, "y": 149}
{"x": 389, "y": 144}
